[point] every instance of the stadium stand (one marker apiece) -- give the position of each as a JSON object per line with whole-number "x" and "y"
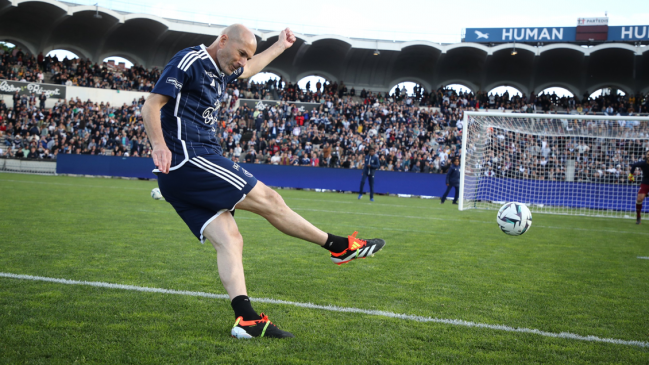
{"x": 419, "y": 132}
{"x": 336, "y": 134}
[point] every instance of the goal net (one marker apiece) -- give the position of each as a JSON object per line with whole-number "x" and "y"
{"x": 558, "y": 164}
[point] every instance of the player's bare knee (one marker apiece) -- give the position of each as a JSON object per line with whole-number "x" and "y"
{"x": 271, "y": 202}
{"x": 233, "y": 240}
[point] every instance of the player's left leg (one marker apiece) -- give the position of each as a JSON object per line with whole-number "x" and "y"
{"x": 269, "y": 204}
{"x": 371, "y": 181}
{"x": 457, "y": 193}
{"x": 638, "y": 207}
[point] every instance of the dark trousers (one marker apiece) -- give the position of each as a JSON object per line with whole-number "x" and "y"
{"x": 448, "y": 190}
{"x": 371, "y": 181}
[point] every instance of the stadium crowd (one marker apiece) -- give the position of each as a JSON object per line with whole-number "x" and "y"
{"x": 408, "y": 135}
{"x": 18, "y": 66}
{"x": 540, "y": 157}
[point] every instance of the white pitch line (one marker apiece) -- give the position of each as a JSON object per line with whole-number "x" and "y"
{"x": 454, "y": 322}
{"x": 643, "y": 257}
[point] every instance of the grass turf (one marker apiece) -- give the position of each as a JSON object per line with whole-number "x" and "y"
{"x": 568, "y": 274}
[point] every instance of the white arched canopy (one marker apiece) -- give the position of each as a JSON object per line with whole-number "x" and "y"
{"x": 559, "y": 91}
{"x": 312, "y": 80}
{"x": 500, "y": 90}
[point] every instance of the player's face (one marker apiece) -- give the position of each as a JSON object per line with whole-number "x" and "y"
{"x": 235, "y": 54}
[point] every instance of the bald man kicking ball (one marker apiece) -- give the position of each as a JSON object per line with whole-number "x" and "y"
{"x": 204, "y": 187}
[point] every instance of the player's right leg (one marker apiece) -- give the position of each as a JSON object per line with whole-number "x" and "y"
{"x": 638, "y": 205}
{"x": 360, "y": 191}
{"x": 448, "y": 190}
{"x": 267, "y": 203}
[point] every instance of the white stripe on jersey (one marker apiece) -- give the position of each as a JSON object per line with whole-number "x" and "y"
{"x": 202, "y": 55}
{"x": 200, "y": 165}
{"x": 176, "y": 113}
{"x": 189, "y": 61}
{"x": 179, "y": 134}
{"x": 217, "y": 167}
{"x": 187, "y": 57}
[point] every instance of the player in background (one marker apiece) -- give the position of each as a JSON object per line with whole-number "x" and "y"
{"x": 204, "y": 187}
{"x": 644, "y": 184}
{"x": 452, "y": 180}
{"x": 370, "y": 166}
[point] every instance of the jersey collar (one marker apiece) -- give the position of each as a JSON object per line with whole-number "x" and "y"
{"x": 211, "y": 59}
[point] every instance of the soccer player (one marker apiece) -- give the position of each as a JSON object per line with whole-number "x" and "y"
{"x": 453, "y": 180}
{"x": 371, "y": 165}
{"x": 204, "y": 187}
{"x": 644, "y": 184}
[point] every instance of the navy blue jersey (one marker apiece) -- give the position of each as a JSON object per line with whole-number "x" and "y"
{"x": 644, "y": 166}
{"x": 197, "y": 86}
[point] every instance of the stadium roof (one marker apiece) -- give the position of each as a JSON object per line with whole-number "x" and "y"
{"x": 149, "y": 40}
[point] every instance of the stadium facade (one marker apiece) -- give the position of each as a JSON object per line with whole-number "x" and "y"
{"x": 44, "y": 25}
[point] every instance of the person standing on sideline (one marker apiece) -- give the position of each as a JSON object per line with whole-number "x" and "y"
{"x": 644, "y": 185}
{"x": 453, "y": 180}
{"x": 371, "y": 164}
{"x": 180, "y": 117}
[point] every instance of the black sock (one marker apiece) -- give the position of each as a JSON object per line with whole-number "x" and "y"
{"x": 242, "y": 308}
{"x": 336, "y": 244}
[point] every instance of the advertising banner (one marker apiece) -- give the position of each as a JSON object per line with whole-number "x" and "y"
{"x": 26, "y": 88}
{"x": 509, "y": 35}
{"x": 625, "y": 33}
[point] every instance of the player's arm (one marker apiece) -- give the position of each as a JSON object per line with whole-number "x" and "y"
{"x": 151, "y": 115}
{"x": 261, "y": 60}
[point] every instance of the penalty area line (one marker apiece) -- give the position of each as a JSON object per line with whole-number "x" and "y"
{"x": 333, "y": 308}
{"x": 643, "y": 257}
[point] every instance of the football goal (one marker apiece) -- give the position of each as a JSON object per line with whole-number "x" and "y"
{"x": 558, "y": 164}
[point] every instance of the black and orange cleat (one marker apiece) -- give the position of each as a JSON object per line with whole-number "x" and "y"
{"x": 257, "y": 328}
{"x": 358, "y": 249}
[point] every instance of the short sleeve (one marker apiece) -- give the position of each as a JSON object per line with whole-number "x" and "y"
{"x": 177, "y": 74}
{"x": 235, "y": 75}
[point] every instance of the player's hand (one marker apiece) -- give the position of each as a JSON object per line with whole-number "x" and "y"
{"x": 286, "y": 38}
{"x": 162, "y": 158}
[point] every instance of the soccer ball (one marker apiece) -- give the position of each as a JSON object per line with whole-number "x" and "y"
{"x": 514, "y": 219}
{"x": 156, "y": 194}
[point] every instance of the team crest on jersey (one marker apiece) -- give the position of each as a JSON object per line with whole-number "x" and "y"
{"x": 211, "y": 115}
{"x": 174, "y": 82}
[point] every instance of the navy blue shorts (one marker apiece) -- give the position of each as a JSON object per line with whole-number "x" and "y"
{"x": 203, "y": 188}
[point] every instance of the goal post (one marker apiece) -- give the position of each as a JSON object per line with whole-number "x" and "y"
{"x": 554, "y": 163}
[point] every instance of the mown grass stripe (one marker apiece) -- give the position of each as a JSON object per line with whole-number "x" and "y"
{"x": 333, "y": 308}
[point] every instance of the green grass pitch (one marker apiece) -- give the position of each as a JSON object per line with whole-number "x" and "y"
{"x": 567, "y": 274}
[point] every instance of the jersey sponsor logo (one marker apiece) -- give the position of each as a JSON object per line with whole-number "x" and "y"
{"x": 246, "y": 172}
{"x": 211, "y": 115}
{"x": 210, "y": 74}
{"x": 235, "y": 166}
{"x": 174, "y": 82}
